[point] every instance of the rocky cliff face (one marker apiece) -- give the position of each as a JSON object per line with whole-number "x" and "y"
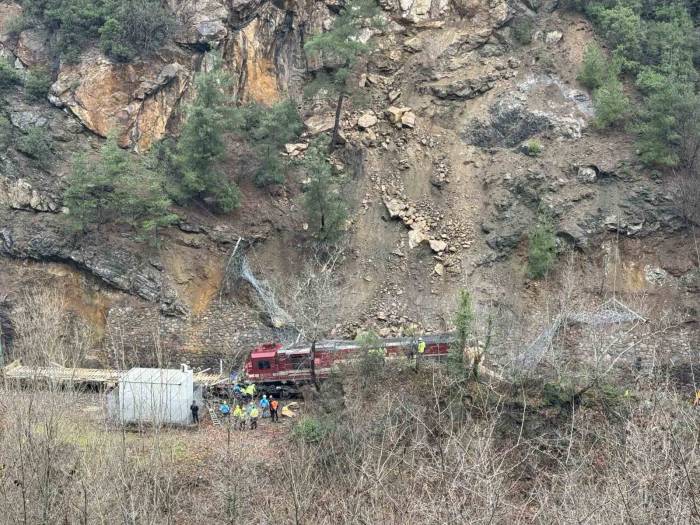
{"x": 443, "y": 190}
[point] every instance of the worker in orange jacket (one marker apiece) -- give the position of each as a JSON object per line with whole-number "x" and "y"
{"x": 274, "y": 405}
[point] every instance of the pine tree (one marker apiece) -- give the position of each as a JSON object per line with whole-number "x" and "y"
{"x": 118, "y": 188}
{"x": 324, "y": 205}
{"x": 611, "y": 105}
{"x": 267, "y": 129}
{"x": 669, "y": 127}
{"x": 464, "y": 323}
{"x": 596, "y": 68}
{"x": 339, "y": 49}
{"x": 541, "y": 246}
{"x": 201, "y": 147}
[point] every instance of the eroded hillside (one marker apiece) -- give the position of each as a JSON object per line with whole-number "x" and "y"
{"x": 442, "y": 187}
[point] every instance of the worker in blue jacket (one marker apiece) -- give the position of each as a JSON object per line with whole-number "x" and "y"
{"x": 265, "y": 406}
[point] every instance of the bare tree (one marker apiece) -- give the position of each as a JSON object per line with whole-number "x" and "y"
{"x": 314, "y": 299}
{"x": 47, "y": 332}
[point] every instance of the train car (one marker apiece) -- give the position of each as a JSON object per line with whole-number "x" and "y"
{"x": 281, "y": 370}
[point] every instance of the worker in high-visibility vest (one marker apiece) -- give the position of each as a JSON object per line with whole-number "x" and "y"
{"x": 239, "y": 417}
{"x": 250, "y": 390}
{"x": 254, "y": 413}
{"x": 421, "y": 346}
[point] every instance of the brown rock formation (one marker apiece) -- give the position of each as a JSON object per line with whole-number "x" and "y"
{"x": 128, "y": 99}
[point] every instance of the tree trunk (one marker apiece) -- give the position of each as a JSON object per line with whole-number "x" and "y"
{"x": 336, "y": 127}
{"x": 312, "y": 356}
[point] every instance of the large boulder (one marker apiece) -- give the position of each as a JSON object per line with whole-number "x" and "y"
{"x": 133, "y": 100}
{"x": 8, "y": 12}
{"x": 422, "y": 11}
{"x": 201, "y": 21}
{"x": 33, "y": 48}
{"x": 511, "y": 121}
{"x": 367, "y": 120}
{"x": 20, "y": 195}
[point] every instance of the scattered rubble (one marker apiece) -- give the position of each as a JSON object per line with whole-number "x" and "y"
{"x": 20, "y": 195}
{"x": 367, "y": 120}
{"x": 553, "y": 37}
{"x": 437, "y": 245}
{"x": 401, "y": 116}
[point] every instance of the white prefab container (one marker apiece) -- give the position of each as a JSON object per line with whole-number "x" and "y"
{"x": 156, "y": 396}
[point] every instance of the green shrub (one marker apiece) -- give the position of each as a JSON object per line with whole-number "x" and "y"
{"x": 135, "y": 27}
{"x": 36, "y": 145}
{"x": 126, "y": 28}
{"x": 533, "y": 148}
{"x": 311, "y": 430}
{"x": 612, "y": 107}
{"x": 464, "y": 323}
{"x": 522, "y": 28}
{"x": 650, "y": 81}
{"x": 8, "y": 75}
{"x": 74, "y": 23}
{"x": 622, "y": 27}
{"x": 558, "y": 395}
{"x": 541, "y": 247}
{"x": 17, "y": 24}
{"x": 669, "y": 127}
{"x": 658, "y": 43}
{"x": 595, "y": 70}
{"x": 325, "y": 207}
{"x": 37, "y": 83}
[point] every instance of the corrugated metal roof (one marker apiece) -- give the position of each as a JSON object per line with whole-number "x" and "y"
{"x": 160, "y": 376}
{"x": 16, "y": 371}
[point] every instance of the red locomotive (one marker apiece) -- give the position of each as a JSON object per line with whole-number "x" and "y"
{"x": 280, "y": 369}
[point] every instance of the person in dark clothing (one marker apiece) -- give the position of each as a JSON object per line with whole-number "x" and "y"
{"x": 195, "y": 412}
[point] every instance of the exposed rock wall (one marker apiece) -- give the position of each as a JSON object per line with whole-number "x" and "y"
{"x": 260, "y": 44}
{"x": 442, "y": 192}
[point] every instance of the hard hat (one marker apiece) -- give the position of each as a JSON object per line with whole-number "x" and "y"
{"x": 264, "y": 396}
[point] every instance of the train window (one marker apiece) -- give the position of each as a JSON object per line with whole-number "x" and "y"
{"x": 263, "y": 365}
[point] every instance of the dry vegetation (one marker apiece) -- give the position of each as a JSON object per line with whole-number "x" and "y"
{"x": 584, "y": 438}
{"x": 434, "y": 450}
